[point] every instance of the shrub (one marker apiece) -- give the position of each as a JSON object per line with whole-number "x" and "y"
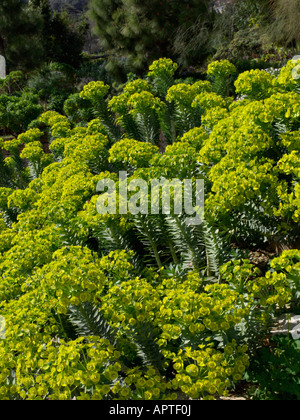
{"x": 146, "y": 306}
{"x": 16, "y": 112}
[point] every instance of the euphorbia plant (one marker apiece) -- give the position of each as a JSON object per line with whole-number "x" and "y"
{"x": 144, "y": 306}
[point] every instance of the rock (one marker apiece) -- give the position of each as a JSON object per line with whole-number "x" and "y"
{"x": 288, "y": 324}
{"x": 2, "y": 67}
{"x": 2, "y": 328}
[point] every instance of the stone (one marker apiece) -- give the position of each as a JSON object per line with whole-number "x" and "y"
{"x": 2, "y": 67}
{"x": 2, "y": 328}
{"x": 288, "y": 324}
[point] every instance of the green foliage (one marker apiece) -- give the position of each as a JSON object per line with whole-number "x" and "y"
{"x": 32, "y": 33}
{"x": 219, "y": 73}
{"x": 14, "y": 83}
{"x": 192, "y": 42}
{"x": 128, "y": 154}
{"x": 65, "y": 40}
{"x": 77, "y": 109}
{"x": 96, "y": 93}
{"x": 53, "y": 84}
{"x": 16, "y": 112}
{"x": 93, "y": 69}
{"x": 87, "y": 321}
{"x": 147, "y": 306}
{"x": 244, "y": 34}
{"x": 140, "y": 33}
{"x": 185, "y": 115}
{"x": 20, "y": 34}
{"x": 283, "y": 27}
{"x": 161, "y": 75}
{"x": 61, "y": 38}
{"x": 275, "y": 371}
{"x": 255, "y": 85}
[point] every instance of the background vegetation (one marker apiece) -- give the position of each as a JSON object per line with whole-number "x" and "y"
{"x": 130, "y": 34}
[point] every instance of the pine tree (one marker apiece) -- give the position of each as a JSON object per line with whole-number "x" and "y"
{"x": 140, "y": 31}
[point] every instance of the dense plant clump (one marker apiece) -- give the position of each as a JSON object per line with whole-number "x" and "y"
{"x": 123, "y": 306}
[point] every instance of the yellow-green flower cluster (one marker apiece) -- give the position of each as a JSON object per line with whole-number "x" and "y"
{"x": 140, "y": 103}
{"x": 137, "y": 111}
{"x": 6, "y": 236}
{"x": 147, "y": 386}
{"x": 178, "y": 161}
{"x": 276, "y": 288}
{"x": 95, "y": 91}
{"x": 131, "y": 302}
{"x": 285, "y": 106}
{"x": 205, "y": 372}
{"x": 137, "y": 86}
{"x": 239, "y": 145}
{"x": 196, "y": 137}
{"x": 32, "y": 135}
{"x": 162, "y": 68}
{"x": 289, "y": 261}
{"x": 44, "y": 364}
{"x": 156, "y": 322}
{"x": 253, "y": 112}
{"x": 189, "y": 314}
{"x": 96, "y": 127}
{"x": 256, "y": 84}
{"x": 288, "y": 78}
{"x": 129, "y": 153}
{"x": 213, "y": 116}
{"x": 235, "y": 183}
{"x": 183, "y": 94}
{"x": 221, "y": 68}
{"x": 54, "y": 371}
{"x": 273, "y": 289}
{"x": 22, "y": 199}
{"x": 239, "y": 273}
{"x": 75, "y": 276}
{"x": 35, "y": 154}
{"x": 118, "y": 104}
{"x": 28, "y": 251}
{"x": 59, "y": 124}
{"x": 291, "y": 140}
{"x": 289, "y": 206}
{"x": 11, "y": 145}
{"x": 207, "y": 101}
